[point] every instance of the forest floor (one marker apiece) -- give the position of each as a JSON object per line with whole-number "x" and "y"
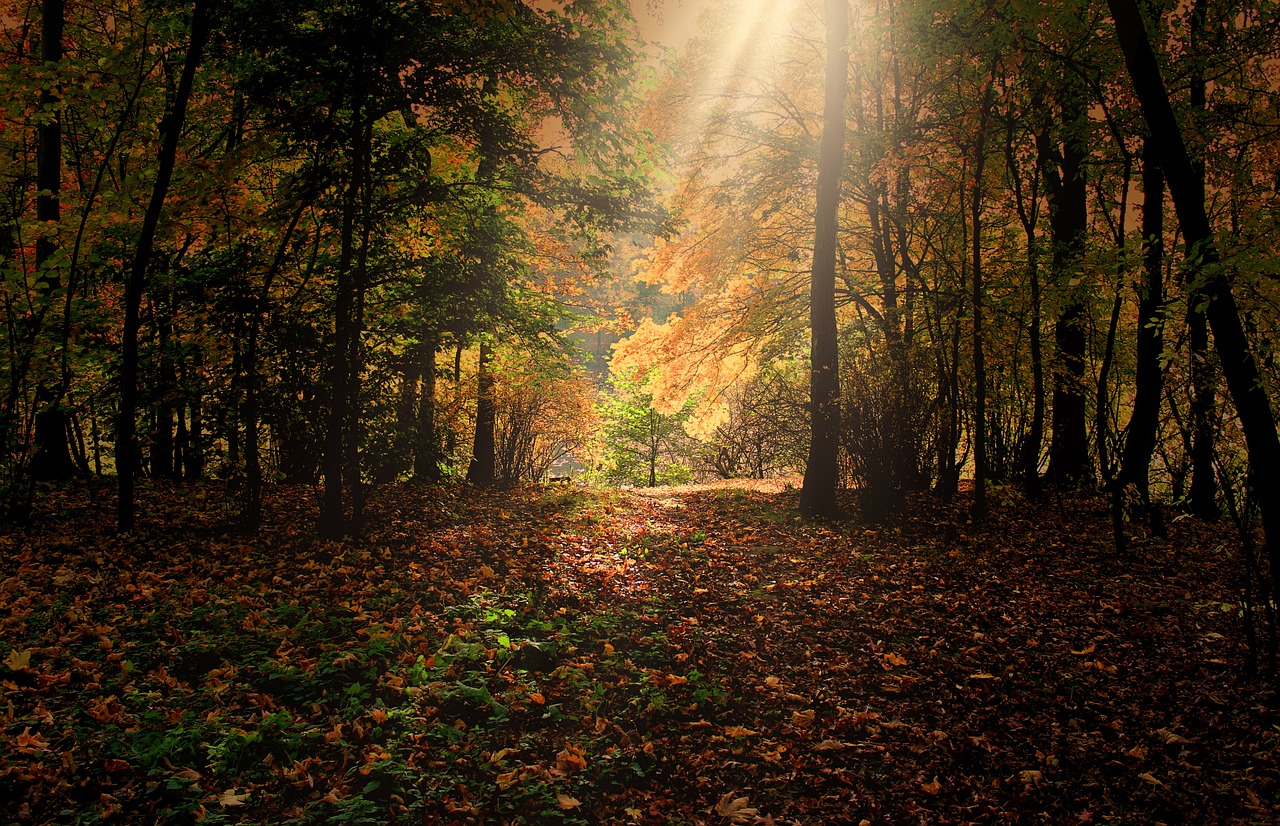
{"x": 565, "y": 655}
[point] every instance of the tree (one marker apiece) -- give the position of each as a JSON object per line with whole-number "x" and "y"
{"x": 1244, "y": 380}
{"x": 127, "y": 452}
{"x": 818, "y": 495}
{"x": 641, "y": 445}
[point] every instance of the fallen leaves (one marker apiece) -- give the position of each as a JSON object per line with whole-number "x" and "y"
{"x": 504, "y": 660}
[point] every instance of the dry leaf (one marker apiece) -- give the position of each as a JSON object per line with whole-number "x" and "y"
{"x": 802, "y": 719}
{"x": 1031, "y": 777}
{"x": 831, "y": 745}
{"x": 565, "y": 802}
{"x": 1170, "y": 738}
{"x": 570, "y": 759}
{"x": 982, "y": 675}
{"x": 29, "y": 743}
{"x": 932, "y": 788}
{"x": 1085, "y": 651}
{"x": 1150, "y": 778}
{"x": 735, "y": 809}
{"x": 738, "y": 731}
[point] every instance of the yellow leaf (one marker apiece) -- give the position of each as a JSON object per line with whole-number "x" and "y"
{"x": 1085, "y": 651}
{"x": 738, "y": 731}
{"x": 565, "y": 802}
{"x": 1031, "y": 777}
{"x": 230, "y": 798}
{"x": 982, "y": 675}
{"x": 891, "y": 659}
{"x": 18, "y": 660}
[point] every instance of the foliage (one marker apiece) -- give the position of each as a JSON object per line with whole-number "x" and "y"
{"x": 640, "y": 445}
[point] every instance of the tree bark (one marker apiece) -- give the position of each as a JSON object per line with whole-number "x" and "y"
{"x": 170, "y": 130}
{"x": 1239, "y": 367}
{"x": 818, "y": 494}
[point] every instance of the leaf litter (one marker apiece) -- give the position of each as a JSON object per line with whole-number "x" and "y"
{"x": 577, "y": 656}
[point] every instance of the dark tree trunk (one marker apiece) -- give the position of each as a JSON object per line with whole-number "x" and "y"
{"x": 1140, "y": 443}
{"x": 1068, "y": 222}
{"x": 1239, "y": 367}
{"x": 482, "y": 470}
{"x": 1035, "y": 436}
{"x": 1202, "y": 496}
{"x": 339, "y": 469}
{"x": 426, "y": 441}
{"x": 193, "y": 456}
{"x": 979, "y": 356}
{"x": 162, "y": 438}
{"x": 170, "y": 129}
{"x": 818, "y": 494}
{"x": 51, "y": 459}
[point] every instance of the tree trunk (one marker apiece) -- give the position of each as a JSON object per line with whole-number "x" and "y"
{"x": 1203, "y": 493}
{"x": 1068, "y": 223}
{"x": 979, "y": 356}
{"x": 1144, "y": 423}
{"x": 818, "y": 494}
{"x": 170, "y": 129}
{"x": 162, "y": 439}
{"x": 51, "y": 459}
{"x": 426, "y": 441}
{"x": 482, "y": 470}
{"x": 1244, "y": 380}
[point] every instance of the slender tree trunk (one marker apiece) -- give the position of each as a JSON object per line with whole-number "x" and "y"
{"x": 482, "y": 470}
{"x": 1035, "y": 437}
{"x": 52, "y": 457}
{"x": 339, "y": 470}
{"x": 979, "y": 356}
{"x": 1244, "y": 381}
{"x": 170, "y": 129}
{"x": 162, "y": 439}
{"x": 426, "y": 441}
{"x": 1140, "y": 443}
{"x": 818, "y": 494}
{"x": 1068, "y": 221}
{"x": 1203, "y": 494}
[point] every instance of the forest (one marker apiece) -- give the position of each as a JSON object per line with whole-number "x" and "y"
{"x": 618, "y": 412}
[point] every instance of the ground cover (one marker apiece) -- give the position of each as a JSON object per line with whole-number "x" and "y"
{"x": 576, "y": 656}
